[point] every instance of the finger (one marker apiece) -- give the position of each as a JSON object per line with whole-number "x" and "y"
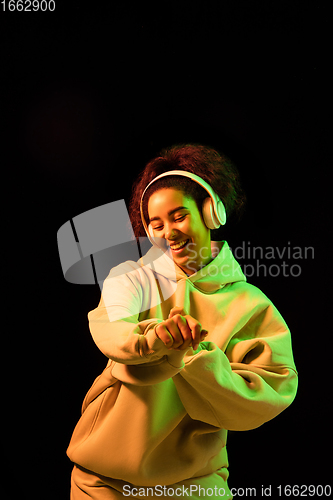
{"x": 179, "y": 330}
{"x": 203, "y": 334}
{"x": 196, "y": 329}
{"x": 176, "y": 329}
{"x": 186, "y": 344}
{"x": 175, "y": 332}
{"x": 185, "y": 331}
{"x": 187, "y": 341}
{"x": 163, "y": 334}
{"x": 177, "y": 310}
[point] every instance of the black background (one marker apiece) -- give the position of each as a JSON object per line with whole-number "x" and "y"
{"x": 91, "y": 92}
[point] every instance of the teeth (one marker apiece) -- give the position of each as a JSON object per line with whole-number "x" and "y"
{"x": 178, "y": 245}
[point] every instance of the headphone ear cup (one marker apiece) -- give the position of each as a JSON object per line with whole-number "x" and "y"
{"x": 209, "y": 215}
{"x": 221, "y": 213}
{"x": 150, "y": 231}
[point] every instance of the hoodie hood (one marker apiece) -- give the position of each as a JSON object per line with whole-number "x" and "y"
{"x": 223, "y": 269}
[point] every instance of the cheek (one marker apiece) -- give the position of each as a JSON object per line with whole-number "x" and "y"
{"x": 195, "y": 228}
{"x": 200, "y": 230}
{"x": 186, "y": 227}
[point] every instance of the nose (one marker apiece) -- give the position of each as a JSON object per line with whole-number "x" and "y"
{"x": 170, "y": 232}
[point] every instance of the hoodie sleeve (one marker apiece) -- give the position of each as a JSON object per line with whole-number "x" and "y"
{"x": 122, "y": 337}
{"x": 252, "y": 381}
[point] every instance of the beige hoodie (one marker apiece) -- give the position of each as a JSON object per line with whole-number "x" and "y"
{"x": 157, "y": 417}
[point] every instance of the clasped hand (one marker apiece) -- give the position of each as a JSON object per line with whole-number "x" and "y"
{"x": 180, "y": 330}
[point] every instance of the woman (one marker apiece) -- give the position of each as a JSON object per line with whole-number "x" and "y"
{"x": 194, "y": 350}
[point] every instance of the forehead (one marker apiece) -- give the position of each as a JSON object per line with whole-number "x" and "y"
{"x": 166, "y": 199}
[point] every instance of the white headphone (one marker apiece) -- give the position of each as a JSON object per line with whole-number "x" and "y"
{"x": 213, "y": 210}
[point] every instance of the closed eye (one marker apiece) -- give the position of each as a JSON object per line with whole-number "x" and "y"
{"x": 179, "y": 219}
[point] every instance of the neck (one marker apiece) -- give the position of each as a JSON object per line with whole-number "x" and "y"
{"x": 194, "y": 267}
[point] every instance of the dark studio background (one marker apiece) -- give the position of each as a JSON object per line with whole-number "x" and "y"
{"x": 89, "y": 93}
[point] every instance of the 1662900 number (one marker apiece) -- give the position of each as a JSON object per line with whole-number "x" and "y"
{"x": 28, "y": 5}
{"x": 305, "y": 491}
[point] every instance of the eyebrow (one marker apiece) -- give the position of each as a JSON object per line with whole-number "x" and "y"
{"x": 169, "y": 213}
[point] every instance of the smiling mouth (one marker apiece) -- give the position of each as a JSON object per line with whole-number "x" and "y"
{"x": 179, "y": 246}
